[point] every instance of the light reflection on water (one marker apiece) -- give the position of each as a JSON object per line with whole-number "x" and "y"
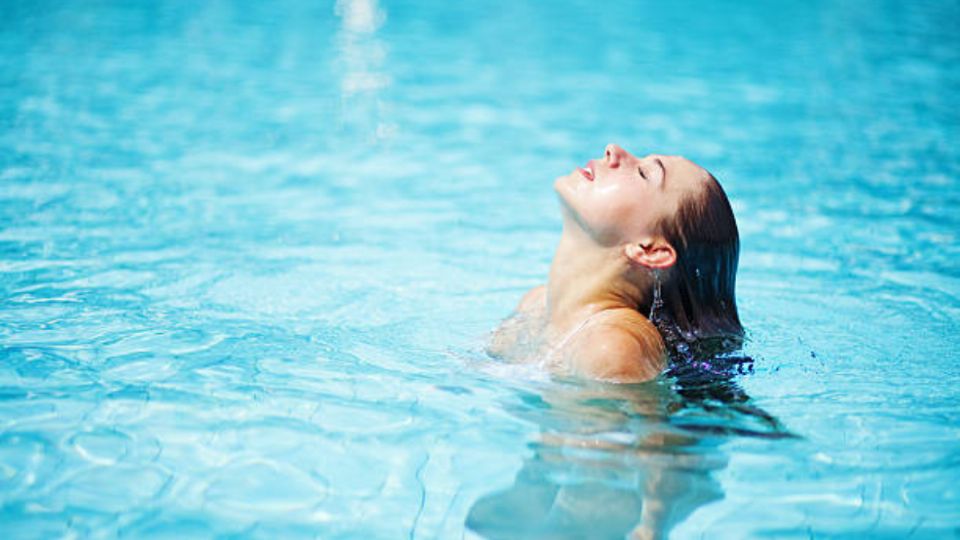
{"x": 249, "y": 254}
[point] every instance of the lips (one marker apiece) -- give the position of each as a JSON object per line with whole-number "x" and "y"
{"x": 587, "y": 172}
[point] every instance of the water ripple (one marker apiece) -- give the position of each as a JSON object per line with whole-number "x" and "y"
{"x": 249, "y": 254}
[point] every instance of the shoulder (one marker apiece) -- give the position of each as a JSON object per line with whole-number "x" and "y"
{"x": 622, "y": 346}
{"x": 534, "y": 299}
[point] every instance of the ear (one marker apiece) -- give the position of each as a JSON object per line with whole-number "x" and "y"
{"x": 652, "y": 253}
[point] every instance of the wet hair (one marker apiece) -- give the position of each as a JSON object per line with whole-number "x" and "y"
{"x": 696, "y": 312}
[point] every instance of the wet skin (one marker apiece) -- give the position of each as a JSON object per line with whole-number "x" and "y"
{"x": 585, "y": 320}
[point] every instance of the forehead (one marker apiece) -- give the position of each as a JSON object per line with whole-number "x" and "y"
{"x": 682, "y": 174}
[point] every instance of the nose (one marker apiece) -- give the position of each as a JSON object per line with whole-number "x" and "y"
{"x": 614, "y": 155}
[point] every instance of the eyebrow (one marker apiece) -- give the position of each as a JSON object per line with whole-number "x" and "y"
{"x": 664, "y": 169}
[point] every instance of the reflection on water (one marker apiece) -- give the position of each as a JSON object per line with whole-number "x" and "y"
{"x": 622, "y": 460}
{"x": 361, "y": 68}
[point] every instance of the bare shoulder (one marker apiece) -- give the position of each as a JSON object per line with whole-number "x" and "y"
{"x": 534, "y": 300}
{"x": 623, "y": 346}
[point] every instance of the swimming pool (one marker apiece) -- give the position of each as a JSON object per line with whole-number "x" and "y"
{"x": 249, "y": 253}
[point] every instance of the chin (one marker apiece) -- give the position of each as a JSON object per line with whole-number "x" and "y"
{"x": 565, "y": 186}
{"x": 563, "y": 190}
{"x": 559, "y": 181}
{"x": 565, "y": 195}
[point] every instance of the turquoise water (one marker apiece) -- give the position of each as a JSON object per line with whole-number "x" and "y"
{"x": 249, "y": 253}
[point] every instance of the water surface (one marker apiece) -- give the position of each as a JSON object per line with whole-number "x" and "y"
{"x": 249, "y": 254}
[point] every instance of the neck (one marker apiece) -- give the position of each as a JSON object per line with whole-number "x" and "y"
{"x": 586, "y": 278}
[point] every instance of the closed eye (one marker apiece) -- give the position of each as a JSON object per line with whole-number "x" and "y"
{"x": 643, "y": 174}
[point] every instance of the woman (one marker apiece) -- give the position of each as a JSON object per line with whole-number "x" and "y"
{"x": 645, "y": 270}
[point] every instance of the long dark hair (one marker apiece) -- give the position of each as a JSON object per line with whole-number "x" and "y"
{"x": 696, "y": 313}
{"x": 696, "y": 308}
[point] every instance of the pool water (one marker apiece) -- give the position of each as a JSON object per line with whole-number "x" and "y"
{"x": 249, "y": 254}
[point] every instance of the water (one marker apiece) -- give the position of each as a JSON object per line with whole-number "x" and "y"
{"x": 249, "y": 254}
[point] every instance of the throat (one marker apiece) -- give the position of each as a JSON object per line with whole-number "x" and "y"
{"x": 584, "y": 280}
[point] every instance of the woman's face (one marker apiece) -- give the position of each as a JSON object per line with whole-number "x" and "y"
{"x": 620, "y": 198}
